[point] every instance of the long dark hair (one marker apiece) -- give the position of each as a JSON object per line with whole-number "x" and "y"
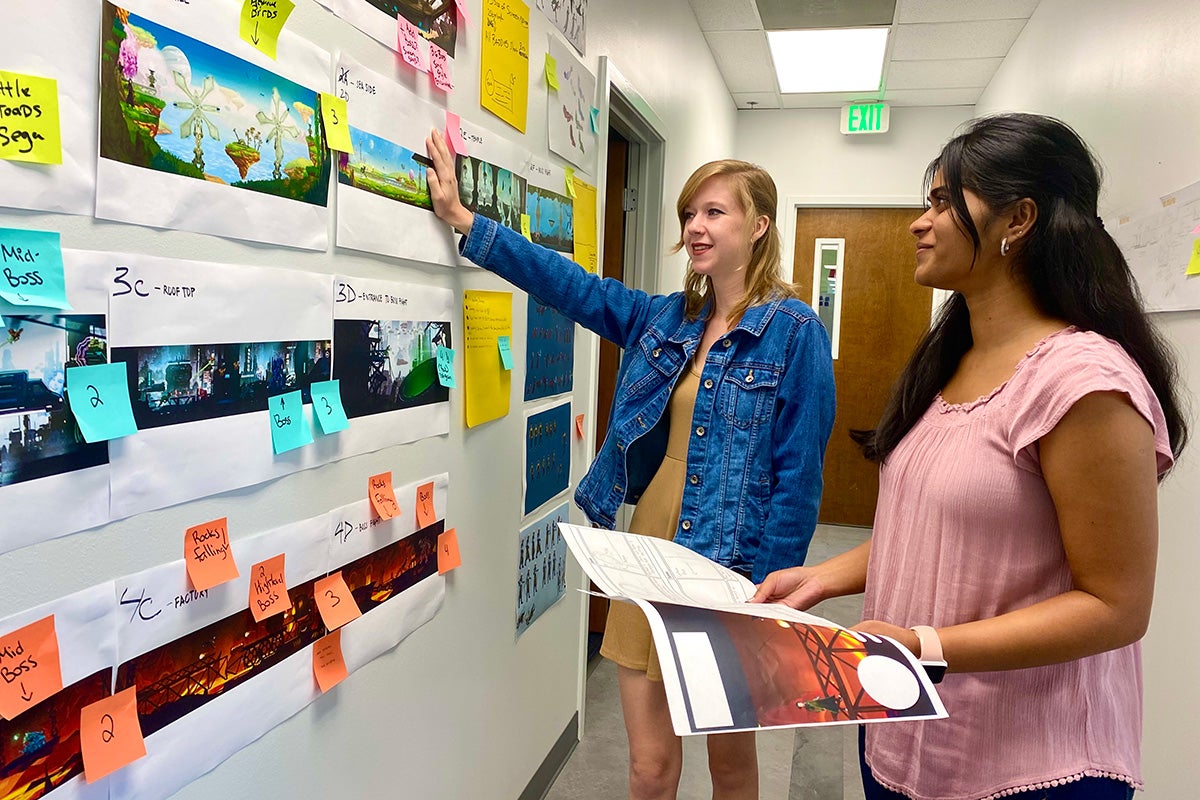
{"x": 1072, "y": 266}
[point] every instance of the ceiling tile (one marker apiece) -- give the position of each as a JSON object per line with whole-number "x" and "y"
{"x": 934, "y": 97}
{"x": 744, "y": 60}
{"x": 791, "y": 14}
{"x": 949, "y": 40}
{"x": 941, "y": 74}
{"x": 823, "y": 100}
{"x": 908, "y": 11}
{"x": 761, "y": 100}
{"x": 726, "y": 15}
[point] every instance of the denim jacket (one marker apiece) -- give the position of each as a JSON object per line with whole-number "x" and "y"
{"x": 763, "y": 413}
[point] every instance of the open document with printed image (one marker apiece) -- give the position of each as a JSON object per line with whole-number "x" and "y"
{"x": 732, "y": 666}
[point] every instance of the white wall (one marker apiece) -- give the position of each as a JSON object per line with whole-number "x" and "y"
{"x": 458, "y": 710}
{"x": 1124, "y": 75}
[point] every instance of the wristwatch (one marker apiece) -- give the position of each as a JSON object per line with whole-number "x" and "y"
{"x": 931, "y": 657}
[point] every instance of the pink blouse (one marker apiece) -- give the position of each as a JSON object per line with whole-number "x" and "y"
{"x": 965, "y": 529}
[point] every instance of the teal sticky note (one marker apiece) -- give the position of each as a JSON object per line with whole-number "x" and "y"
{"x": 327, "y": 406}
{"x": 31, "y": 268}
{"x": 445, "y": 366}
{"x": 505, "y": 352}
{"x": 99, "y": 398}
{"x": 595, "y": 120}
{"x": 289, "y": 430}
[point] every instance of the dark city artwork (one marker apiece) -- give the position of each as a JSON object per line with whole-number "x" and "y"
{"x": 386, "y": 365}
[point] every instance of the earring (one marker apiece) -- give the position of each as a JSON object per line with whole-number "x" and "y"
{"x": 1004, "y": 246}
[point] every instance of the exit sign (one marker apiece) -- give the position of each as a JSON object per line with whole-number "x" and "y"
{"x": 865, "y": 117}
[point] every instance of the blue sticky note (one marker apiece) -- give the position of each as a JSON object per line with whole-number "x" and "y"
{"x": 595, "y": 120}
{"x": 289, "y": 430}
{"x": 505, "y": 352}
{"x": 327, "y": 406}
{"x": 445, "y": 366}
{"x": 31, "y": 268}
{"x": 99, "y": 398}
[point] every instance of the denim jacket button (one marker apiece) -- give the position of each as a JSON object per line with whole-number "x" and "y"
{"x": 656, "y": 352}
{"x": 750, "y": 376}
{"x": 727, "y": 343}
{"x": 699, "y": 430}
{"x": 686, "y": 525}
{"x": 694, "y": 479}
{"x": 621, "y": 446}
{"x": 708, "y": 383}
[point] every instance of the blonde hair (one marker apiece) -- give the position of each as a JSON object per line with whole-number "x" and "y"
{"x": 757, "y": 196}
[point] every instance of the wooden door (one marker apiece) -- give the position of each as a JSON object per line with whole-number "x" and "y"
{"x": 883, "y": 315}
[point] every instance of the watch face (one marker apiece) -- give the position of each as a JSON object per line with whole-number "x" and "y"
{"x": 936, "y": 670}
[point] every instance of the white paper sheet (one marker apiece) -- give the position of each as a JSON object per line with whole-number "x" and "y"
{"x": 84, "y": 623}
{"x": 385, "y": 119}
{"x": 570, "y": 17}
{"x": 56, "y": 40}
{"x": 386, "y": 336}
{"x": 1158, "y": 242}
{"x": 569, "y": 110}
{"x": 150, "y": 197}
{"x": 215, "y": 304}
{"x": 34, "y": 510}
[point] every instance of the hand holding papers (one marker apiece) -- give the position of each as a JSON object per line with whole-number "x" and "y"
{"x": 732, "y": 666}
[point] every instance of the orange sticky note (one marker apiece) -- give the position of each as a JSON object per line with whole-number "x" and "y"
{"x": 268, "y": 589}
{"x": 579, "y": 425}
{"x": 30, "y": 668}
{"x": 383, "y": 496}
{"x": 448, "y": 557}
{"x": 208, "y": 555}
{"x": 329, "y": 668}
{"x": 426, "y": 516}
{"x": 335, "y": 602}
{"x": 110, "y": 734}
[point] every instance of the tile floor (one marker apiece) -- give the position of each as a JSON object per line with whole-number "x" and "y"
{"x": 794, "y": 764}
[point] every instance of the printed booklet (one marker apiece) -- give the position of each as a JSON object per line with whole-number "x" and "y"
{"x": 729, "y": 665}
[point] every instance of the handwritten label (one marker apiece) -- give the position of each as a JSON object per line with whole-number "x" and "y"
{"x": 382, "y": 495}
{"x": 448, "y": 556}
{"x": 329, "y": 668}
{"x": 570, "y": 181}
{"x": 440, "y": 68}
{"x": 125, "y": 283}
{"x": 486, "y": 385}
{"x": 261, "y": 22}
{"x": 335, "y": 602}
{"x": 99, "y": 399}
{"x": 208, "y": 555}
{"x": 409, "y": 38}
{"x": 289, "y": 429}
{"x": 445, "y": 367}
{"x": 526, "y": 227}
{"x": 336, "y": 123}
{"x": 327, "y": 406}
{"x": 426, "y": 515}
{"x": 454, "y": 137}
{"x": 268, "y": 589}
{"x": 504, "y": 61}
{"x": 29, "y": 667}
{"x": 505, "y": 346}
{"x": 110, "y": 734}
{"x": 579, "y": 426}
{"x": 31, "y": 268}
{"x": 551, "y": 72}
{"x": 595, "y": 117}
{"x": 29, "y": 127}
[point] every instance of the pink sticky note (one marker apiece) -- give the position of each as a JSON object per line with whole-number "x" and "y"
{"x": 409, "y": 38}
{"x": 1196, "y": 231}
{"x": 462, "y": 11}
{"x": 439, "y": 68}
{"x": 454, "y": 134}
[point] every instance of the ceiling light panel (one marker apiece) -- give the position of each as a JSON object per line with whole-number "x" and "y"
{"x": 837, "y": 60}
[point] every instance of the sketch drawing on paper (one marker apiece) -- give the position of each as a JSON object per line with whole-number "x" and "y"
{"x": 437, "y": 20}
{"x": 570, "y": 17}
{"x": 173, "y": 104}
{"x": 38, "y": 434}
{"x": 386, "y": 169}
{"x": 551, "y": 219}
{"x": 492, "y": 191}
{"x": 387, "y": 365}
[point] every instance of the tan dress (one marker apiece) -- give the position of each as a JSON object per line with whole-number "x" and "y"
{"x": 627, "y": 639}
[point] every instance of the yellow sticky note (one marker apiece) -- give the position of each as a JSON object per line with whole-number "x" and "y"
{"x": 487, "y": 385}
{"x": 1194, "y": 262}
{"x": 570, "y": 181}
{"x": 526, "y": 230}
{"x": 337, "y": 126}
{"x": 504, "y": 61}
{"x": 29, "y": 129}
{"x": 551, "y": 72}
{"x": 261, "y": 22}
{"x": 587, "y": 249}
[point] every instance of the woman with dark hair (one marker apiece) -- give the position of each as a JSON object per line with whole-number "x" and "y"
{"x": 1016, "y": 530}
{"x": 722, "y": 409}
